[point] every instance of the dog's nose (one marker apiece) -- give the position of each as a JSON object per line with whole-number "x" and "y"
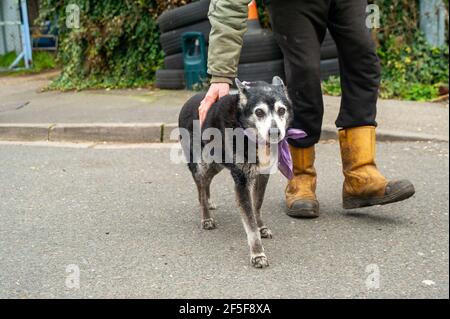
{"x": 275, "y": 132}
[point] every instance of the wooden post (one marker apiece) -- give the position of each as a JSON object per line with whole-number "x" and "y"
{"x": 432, "y": 21}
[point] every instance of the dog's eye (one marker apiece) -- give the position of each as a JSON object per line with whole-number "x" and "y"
{"x": 259, "y": 113}
{"x": 281, "y": 111}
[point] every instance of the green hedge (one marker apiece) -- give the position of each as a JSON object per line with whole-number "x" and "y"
{"x": 116, "y": 46}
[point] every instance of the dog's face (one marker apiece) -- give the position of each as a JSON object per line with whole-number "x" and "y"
{"x": 266, "y": 108}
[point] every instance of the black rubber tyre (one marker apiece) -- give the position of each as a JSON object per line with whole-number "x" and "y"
{"x": 328, "y": 68}
{"x": 260, "y": 46}
{"x": 328, "y": 49}
{"x": 174, "y": 61}
{"x": 261, "y": 71}
{"x": 329, "y": 52}
{"x": 171, "y": 41}
{"x": 183, "y": 16}
{"x": 170, "y": 79}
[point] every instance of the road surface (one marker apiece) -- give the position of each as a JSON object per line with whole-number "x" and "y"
{"x": 124, "y": 222}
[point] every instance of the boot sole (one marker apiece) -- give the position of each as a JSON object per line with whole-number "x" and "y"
{"x": 303, "y": 213}
{"x": 307, "y": 213}
{"x": 400, "y": 195}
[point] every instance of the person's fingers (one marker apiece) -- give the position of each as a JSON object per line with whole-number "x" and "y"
{"x": 209, "y": 100}
{"x": 224, "y": 91}
{"x": 211, "y": 96}
{"x": 203, "y": 111}
{"x": 215, "y": 92}
{"x": 205, "y": 105}
{"x": 202, "y": 116}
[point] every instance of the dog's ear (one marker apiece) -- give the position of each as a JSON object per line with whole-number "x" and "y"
{"x": 277, "y": 81}
{"x": 242, "y": 88}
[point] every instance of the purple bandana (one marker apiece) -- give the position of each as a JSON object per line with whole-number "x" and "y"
{"x": 285, "y": 164}
{"x": 284, "y": 154}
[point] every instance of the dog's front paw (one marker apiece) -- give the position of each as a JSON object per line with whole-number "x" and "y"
{"x": 208, "y": 224}
{"x": 259, "y": 261}
{"x": 265, "y": 232}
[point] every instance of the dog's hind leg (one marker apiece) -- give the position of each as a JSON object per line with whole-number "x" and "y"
{"x": 243, "y": 188}
{"x": 259, "y": 189}
{"x": 212, "y": 171}
{"x": 202, "y": 175}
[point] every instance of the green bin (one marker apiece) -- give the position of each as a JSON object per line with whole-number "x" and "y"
{"x": 194, "y": 57}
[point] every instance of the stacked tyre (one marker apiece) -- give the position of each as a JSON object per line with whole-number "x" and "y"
{"x": 260, "y": 59}
{"x": 172, "y": 24}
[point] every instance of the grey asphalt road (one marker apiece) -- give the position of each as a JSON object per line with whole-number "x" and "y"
{"x": 128, "y": 220}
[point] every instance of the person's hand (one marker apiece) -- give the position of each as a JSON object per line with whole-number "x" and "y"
{"x": 215, "y": 92}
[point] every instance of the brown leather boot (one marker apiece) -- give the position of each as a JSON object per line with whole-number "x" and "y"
{"x": 301, "y": 190}
{"x": 364, "y": 185}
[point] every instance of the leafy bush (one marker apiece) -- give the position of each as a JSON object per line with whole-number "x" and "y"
{"x": 332, "y": 86}
{"x": 116, "y": 46}
{"x": 413, "y": 72}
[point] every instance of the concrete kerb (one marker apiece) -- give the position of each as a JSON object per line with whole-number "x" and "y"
{"x": 107, "y": 132}
{"x": 24, "y": 132}
{"x": 151, "y": 133}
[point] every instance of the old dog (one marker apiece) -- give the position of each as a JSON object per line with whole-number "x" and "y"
{"x": 258, "y": 118}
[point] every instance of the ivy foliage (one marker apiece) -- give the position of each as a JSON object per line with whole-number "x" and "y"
{"x": 413, "y": 72}
{"x": 116, "y": 46}
{"x": 412, "y": 69}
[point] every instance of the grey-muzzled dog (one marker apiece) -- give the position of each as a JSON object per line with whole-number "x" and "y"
{"x": 259, "y": 107}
